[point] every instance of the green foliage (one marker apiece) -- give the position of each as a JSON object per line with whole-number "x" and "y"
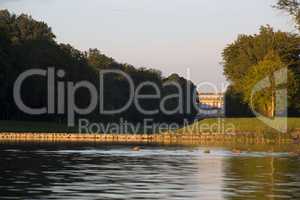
{"x": 23, "y": 28}
{"x": 188, "y": 104}
{"x": 265, "y": 70}
{"x": 252, "y": 58}
{"x": 98, "y": 60}
{"x": 249, "y": 50}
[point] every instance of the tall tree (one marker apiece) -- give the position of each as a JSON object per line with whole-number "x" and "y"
{"x": 264, "y": 99}
{"x": 243, "y": 58}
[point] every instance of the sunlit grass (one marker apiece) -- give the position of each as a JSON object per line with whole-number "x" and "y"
{"x": 246, "y": 125}
{"x": 253, "y": 125}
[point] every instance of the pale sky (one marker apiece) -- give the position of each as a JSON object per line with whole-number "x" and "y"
{"x": 169, "y": 35}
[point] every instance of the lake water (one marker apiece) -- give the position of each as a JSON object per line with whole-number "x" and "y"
{"x": 98, "y": 171}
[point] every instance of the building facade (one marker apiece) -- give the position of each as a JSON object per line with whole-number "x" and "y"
{"x": 211, "y": 104}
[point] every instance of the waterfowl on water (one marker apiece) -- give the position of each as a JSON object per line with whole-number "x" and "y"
{"x": 136, "y": 148}
{"x": 236, "y": 151}
{"x": 294, "y": 154}
{"x": 207, "y": 151}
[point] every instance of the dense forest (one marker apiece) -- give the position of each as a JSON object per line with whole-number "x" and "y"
{"x": 28, "y": 44}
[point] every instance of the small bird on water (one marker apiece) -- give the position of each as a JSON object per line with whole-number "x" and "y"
{"x": 296, "y": 140}
{"x": 207, "y": 151}
{"x": 136, "y": 148}
{"x": 236, "y": 151}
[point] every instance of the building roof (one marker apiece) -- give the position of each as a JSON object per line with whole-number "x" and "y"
{"x": 210, "y": 93}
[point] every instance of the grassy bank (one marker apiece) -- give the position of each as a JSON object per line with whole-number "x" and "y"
{"x": 238, "y": 125}
{"x": 223, "y": 125}
{"x": 34, "y": 127}
{"x": 241, "y": 130}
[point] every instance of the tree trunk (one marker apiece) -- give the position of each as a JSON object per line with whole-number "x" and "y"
{"x": 270, "y": 107}
{"x": 273, "y": 97}
{"x": 272, "y": 111}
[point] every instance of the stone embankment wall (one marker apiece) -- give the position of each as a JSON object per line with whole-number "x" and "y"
{"x": 153, "y": 138}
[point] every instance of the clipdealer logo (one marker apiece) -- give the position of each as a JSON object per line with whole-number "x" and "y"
{"x": 279, "y": 121}
{"x": 56, "y": 95}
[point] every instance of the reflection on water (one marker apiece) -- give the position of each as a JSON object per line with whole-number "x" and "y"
{"x": 116, "y": 172}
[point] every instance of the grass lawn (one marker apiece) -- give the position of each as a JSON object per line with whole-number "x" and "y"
{"x": 237, "y": 125}
{"x": 37, "y": 127}
{"x": 208, "y": 125}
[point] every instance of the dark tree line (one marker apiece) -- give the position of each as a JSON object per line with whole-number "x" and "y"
{"x": 26, "y": 44}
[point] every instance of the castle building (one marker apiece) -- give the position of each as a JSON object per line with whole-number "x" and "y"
{"x": 211, "y": 104}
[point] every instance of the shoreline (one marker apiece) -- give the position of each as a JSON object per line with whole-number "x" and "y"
{"x": 249, "y": 138}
